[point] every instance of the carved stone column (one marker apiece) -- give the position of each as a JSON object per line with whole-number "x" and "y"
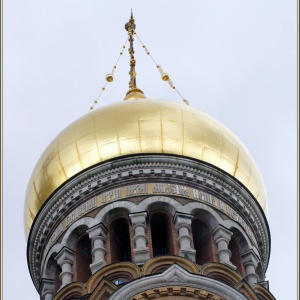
{"x": 222, "y": 238}
{"x": 250, "y": 261}
{"x": 46, "y": 289}
{"x": 65, "y": 258}
{"x": 183, "y": 224}
{"x": 97, "y": 235}
{"x": 139, "y": 224}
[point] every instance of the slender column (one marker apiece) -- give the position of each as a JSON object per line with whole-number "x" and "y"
{"x": 183, "y": 224}
{"x": 46, "y": 289}
{"x": 139, "y": 224}
{"x": 222, "y": 238}
{"x": 250, "y": 261}
{"x": 65, "y": 259}
{"x": 97, "y": 235}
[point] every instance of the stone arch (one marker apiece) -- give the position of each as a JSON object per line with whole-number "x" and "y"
{"x": 74, "y": 290}
{"x": 73, "y": 231}
{"x": 129, "y": 268}
{"x": 104, "y": 214}
{"x": 72, "y": 238}
{"x": 221, "y": 273}
{"x": 114, "y": 213}
{"x": 164, "y": 203}
{"x": 233, "y": 226}
{"x": 206, "y": 213}
{"x": 159, "y": 264}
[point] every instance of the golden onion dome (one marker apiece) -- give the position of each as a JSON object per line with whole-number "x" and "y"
{"x": 135, "y": 127}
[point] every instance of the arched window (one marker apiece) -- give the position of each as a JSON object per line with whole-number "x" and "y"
{"x": 82, "y": 260}
{"x": 120, "y": 240}
{"x": 203, "y": 242}
{"x": 119, "y": 278}
{"x": 161, "y": 233}
{"x": 235, "y": 255}
{"x": 53, "y": 271}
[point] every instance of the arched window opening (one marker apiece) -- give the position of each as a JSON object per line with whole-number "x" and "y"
{"x": 83, "y": 259}
{"x": 161, "y": 233}
{"x": 236, "y": 256}
{"x": 204, "y": 245}
{"x": 53, "y": 271}
{"x": 120, "y": 278}
{"x": 120, "y": 240}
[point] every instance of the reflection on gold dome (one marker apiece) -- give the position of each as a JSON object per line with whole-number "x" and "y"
{"x": 133, "y": 127}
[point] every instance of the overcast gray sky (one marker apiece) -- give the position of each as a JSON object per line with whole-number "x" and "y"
{"x": 234, "y": 60}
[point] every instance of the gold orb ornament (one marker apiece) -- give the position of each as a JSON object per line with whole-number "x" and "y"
{"x": 165, "y": 76}
{"x": 109, "y": 78}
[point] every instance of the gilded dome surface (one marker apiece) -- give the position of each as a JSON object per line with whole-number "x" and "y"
{"x": 133, "y": 127}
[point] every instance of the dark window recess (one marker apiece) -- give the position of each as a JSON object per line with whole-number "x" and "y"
{"x": 83, "y": 259}
{"x": 161, "y": 235}
{"x": 203, "y": 243}
{"x": 118, "y": 281}
{"x": 159, "y": 251}
{"x": 120, "y": 240}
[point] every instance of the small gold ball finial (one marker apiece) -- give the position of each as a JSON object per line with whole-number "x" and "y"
{"x": 165, "y": 76}
{"x": 109, "y": 77}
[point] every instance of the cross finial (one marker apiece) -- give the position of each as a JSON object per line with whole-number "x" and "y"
{"x": 130, "y": 27}
{"x": 134, "y": 92}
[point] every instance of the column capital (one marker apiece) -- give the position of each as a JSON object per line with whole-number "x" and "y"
{"x": 65, "y": 254}
{"x": 46, "y": 287}
{"x": 250, "y": 258}
{"x": 250, "y": 261}
{"x": 222, "y": 232}
{"x": 97, "y": 230}
{"x": 182, "y": 219}
{"x": 138, "y": 218}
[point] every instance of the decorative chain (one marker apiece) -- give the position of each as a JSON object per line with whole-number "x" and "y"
{"x": 130, "y": 27}
{"x": 164, "y": 76}
{"x": 109, "y": 77}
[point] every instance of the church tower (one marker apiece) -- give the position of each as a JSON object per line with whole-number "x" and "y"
{"x": 147, "y": 199}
